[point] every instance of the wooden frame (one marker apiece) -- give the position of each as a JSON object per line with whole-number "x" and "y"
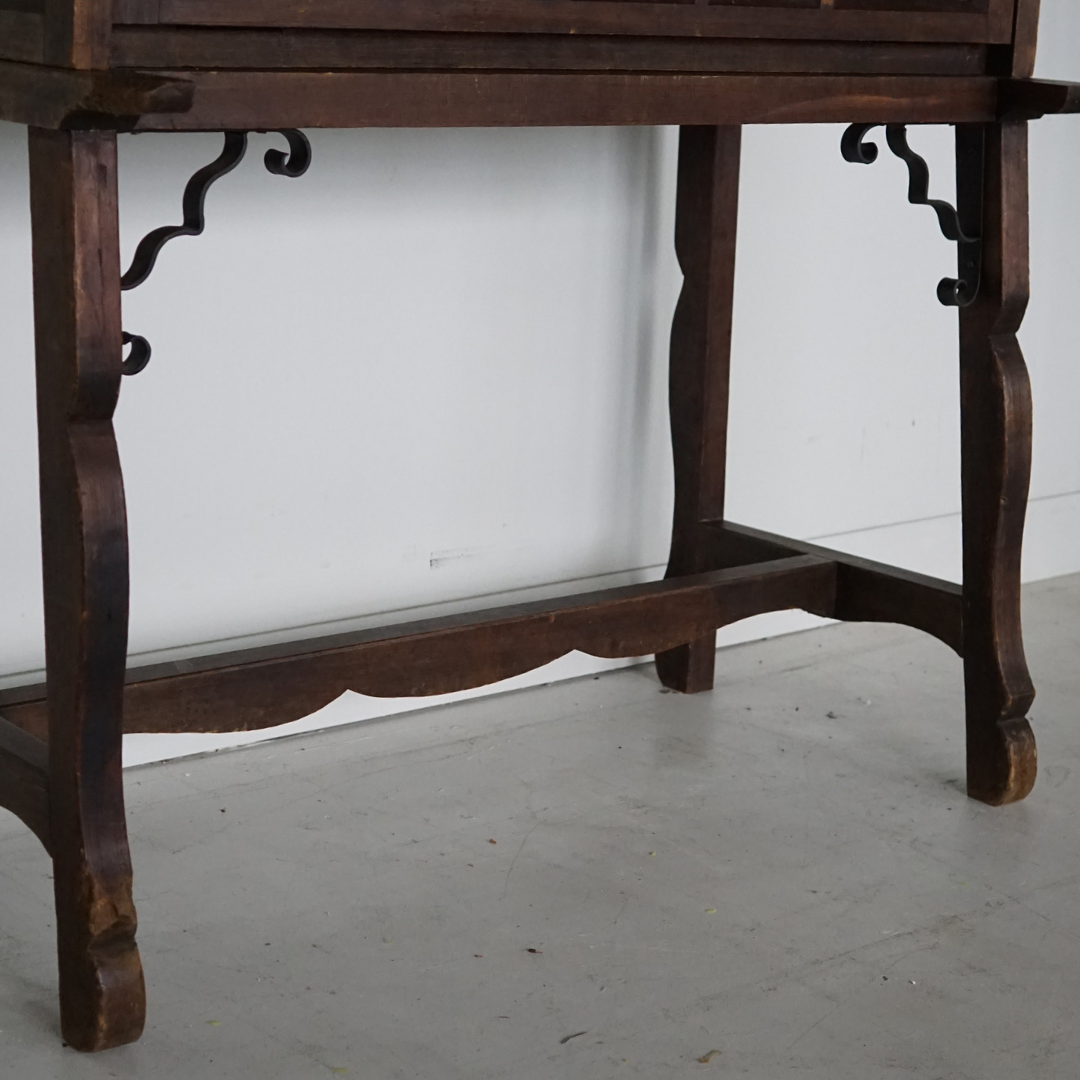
{"x": 77, "y": 72}
{"x": 97, "y": 34}
{"x": 990, "y": 21}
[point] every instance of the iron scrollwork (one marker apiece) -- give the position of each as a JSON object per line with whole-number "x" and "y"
{"x": 293, "y": 164}
{"x": 952, "y": 292}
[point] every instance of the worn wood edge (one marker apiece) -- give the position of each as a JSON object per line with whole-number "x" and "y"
{"x": 866, "y": 591}
{"x": 1030, "y": 99}
{"x": 266, "y": 687}
{"x": 1025, "y": 38}
{"x": 49, "y": 97}
{"x": 127, "y": 94}
{"x": 1006, "y": 771}
{"x": 24, "y": 779}
{"x": 342, "y": 99}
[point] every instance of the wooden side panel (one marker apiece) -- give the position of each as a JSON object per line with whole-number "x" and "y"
{"x": 935, "y": 20}
{"x": 210, "y": 48}
{"x": 22, "y": 36}
{"x": 22, "y": 31}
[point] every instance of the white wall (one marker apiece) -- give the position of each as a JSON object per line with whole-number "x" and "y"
{"x": 431, "y": 375}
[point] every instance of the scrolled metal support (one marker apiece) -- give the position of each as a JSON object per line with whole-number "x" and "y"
{"x": 952, "y": 292}
{"x": 139, "y": 356}
{"x": 293, "y": 164}
{"x": 296, "y": 162}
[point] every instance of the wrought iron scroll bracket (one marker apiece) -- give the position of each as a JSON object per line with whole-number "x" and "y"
{"x": 952, "y": 292}
{"x": 294, "y": 163}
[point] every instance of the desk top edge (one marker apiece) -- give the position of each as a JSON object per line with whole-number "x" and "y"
{"x": 262, "y": 100}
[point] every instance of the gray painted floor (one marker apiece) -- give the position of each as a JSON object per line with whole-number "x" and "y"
{"x": 600, "y": 879}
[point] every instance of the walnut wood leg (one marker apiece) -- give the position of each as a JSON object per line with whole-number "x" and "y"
{"x": 84, "y": 553}
{"x": 706, "y": 214}
{"x": 996, "y": 448}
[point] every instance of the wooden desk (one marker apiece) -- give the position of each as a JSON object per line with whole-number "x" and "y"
{"x": 77, "y": 72}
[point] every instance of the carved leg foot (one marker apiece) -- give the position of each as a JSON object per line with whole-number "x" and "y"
{"x": 84, "y": 554}
{"x": 1002, "y": 762}
{"x": 996, "y": 449}
{"x": 102, "y": 995}
{"x": 706, "y": 216}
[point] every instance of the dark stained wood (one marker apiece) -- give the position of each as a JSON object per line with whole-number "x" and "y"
{"x": 255, "y": 100}
{"x": 1025, "y": 38}
{"x": 582, "y": 17}
{"x": 27, "y": 710}
{"x": 209, "y": 48}
{"x": 24, "y": 779}
{"x": 995, "y": 400}
{"x": 22, "y": 37}
{"x": 190, "y": 65}
{"x": 970, "y": 7}
{"x": 1028, "y": 99}
{"x": 53, "y": 98}
{"x": 77, "y": 33}
{"x": 866, "y": 591}
{"x": 706, "y": 221}
{"x": 264, "y": 687}
{"x": 73, "y": 196}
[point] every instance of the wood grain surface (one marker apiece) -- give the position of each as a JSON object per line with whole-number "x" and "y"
{"x": 258, "y": 688}
{"x": 706, "y": 225}
{"x": 73, "y": 197}
{"x": 825, "y": 23}
{"x": 995, "y": 401}
{"x": 253, "y": 100}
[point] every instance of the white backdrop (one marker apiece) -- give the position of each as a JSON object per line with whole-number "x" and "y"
{"x": 431, "y": 375}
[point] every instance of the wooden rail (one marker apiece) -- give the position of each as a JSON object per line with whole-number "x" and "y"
{"x": 24, "y": 779}
{"x": 757, "y": 572}
{"x": 265, "y": 687}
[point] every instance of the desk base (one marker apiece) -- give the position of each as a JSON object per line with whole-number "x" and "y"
{"x": 60, "y": 748}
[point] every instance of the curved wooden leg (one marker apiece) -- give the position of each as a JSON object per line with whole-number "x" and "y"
{"x": 84, "y": 553}
{"x": 996, "y": 448}
{"x": 706, "y": 216}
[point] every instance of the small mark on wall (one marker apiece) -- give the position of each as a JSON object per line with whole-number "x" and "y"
{"x": 439, "y": 559}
